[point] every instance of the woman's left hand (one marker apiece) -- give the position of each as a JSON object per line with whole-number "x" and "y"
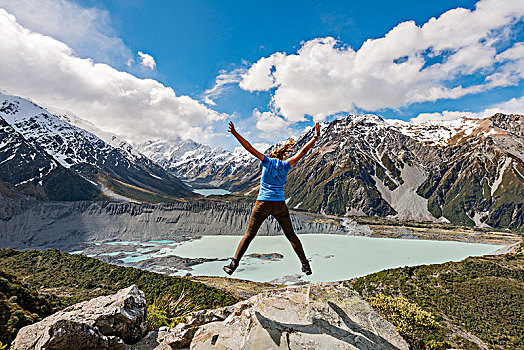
{"x": 317, "y": 129}
{"x": 232, "y": 128}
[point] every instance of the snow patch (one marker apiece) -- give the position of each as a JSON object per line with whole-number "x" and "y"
{"x": 497, "y": 182}
{"x": 404, "y": 199}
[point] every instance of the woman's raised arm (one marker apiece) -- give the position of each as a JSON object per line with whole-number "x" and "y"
{"x": 245, "y": 143}
{"x": 293, "y": 160}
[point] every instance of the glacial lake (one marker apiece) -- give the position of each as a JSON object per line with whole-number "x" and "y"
{"x": 333, "y": 257}
{"x": 209, "y": 191}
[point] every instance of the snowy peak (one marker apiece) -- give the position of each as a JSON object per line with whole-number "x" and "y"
{"x": 29, "y": 170}
{"x": 448, "y": 133}
{"x": 115, "y": 165}
{"x": 513, "y": 123}
{"x": 194, "y": 162}
{"x": 108, "y": 137}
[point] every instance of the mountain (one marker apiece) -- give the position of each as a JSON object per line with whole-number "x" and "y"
{"x": 480, "y": 179}
{"x": 28, "y": 170}
{"x": 465, "y": 171}
{"x": 116, "y": 168}
{"x": 195, "y": 163}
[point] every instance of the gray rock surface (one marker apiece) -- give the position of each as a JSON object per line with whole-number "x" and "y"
{"x": 180, "y": 337}
{"x": 29, "y": 223}
{"x": 320, "y": 316}
{"x": 106, "y": 322}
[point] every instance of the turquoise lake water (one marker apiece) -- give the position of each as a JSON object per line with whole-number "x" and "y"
{"x": 333, "y": 257}
{"x": 209, "y": 191}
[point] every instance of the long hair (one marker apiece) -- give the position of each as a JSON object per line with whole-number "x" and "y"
{"x": 282, "y": 152}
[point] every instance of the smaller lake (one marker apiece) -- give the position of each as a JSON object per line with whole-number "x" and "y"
{"x": 209, "y": 191}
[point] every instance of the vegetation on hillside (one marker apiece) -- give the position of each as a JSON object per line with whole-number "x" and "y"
{"x": 77, "y": 277}
{"x": 69, "y": 279}
{"x": 481, "y": 296}
{"x": 19, "y": 306}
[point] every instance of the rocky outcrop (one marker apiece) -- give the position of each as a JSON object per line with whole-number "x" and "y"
{"x": 320, "y": 316}
{"x": 54, "y": 224}
{"x": 180, "y": 336}
{"x": 106, "y": 322}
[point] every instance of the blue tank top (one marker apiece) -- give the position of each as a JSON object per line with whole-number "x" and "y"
{"x": 273, "y": 179}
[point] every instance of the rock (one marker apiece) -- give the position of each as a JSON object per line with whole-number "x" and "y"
{"x": 320, "y": 316}
{"x": 165, "y": 339}
{"x": 267, "y": 256}
{"x": 201, "y": 317}
{"x": 106, "y": 322}
{"x": 180, "y": 337}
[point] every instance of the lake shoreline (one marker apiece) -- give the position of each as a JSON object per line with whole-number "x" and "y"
{"x": 188, "y": 256}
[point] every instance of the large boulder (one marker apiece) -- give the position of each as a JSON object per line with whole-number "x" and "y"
{"x": 106, "y": 322}
{"x": 320, "y": 316}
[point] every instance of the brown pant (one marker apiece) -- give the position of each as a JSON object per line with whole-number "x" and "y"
{"x": 280, "y": 212}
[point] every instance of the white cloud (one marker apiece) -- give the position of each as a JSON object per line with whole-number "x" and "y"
{"x": 409, "y": 64}
{"x": 46, "y": 70}
{"x": 147, "y": 60}
{"x": 222, "y": 82}
{"x": 513, "y": 106}
{"x": 87, "y": 31}
{"x": 268, "y": 122}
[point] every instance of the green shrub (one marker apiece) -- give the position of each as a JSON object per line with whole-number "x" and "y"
{"x": 479, "y": 295}
{"x": 409, "y": 319}
{"x": 168, "y": 310}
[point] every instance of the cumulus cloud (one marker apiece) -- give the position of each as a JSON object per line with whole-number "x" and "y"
{"x": 224, "y": 80}
{"x": 409, "y": 64}
{"x": 147, "y": 60}
{"x": 46, "y": 70}
{"x": 87, "y": 31}
{"x": 513, "y": 106}
{"x": 269, "y": 122}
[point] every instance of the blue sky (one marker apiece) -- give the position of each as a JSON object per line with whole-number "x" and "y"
{"x": 191, "y": 43}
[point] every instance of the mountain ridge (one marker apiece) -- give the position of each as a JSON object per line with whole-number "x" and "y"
{"x": 117, "y": 169}
{"x": 465, "y": 171}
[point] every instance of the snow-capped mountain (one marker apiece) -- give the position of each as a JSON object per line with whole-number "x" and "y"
{"x": 28, "y": 170}
{"x": 466, "y": 171}
{"x": 447, "y": 133}
{"x": 116, "y": 167}
{"x": 198, "y": 164}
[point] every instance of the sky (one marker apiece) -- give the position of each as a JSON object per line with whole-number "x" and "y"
{"x": 165, "y": 69}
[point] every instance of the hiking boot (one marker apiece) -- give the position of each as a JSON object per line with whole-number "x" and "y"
{"x": 229, "y": 269}
{"x": 306, "y": 268}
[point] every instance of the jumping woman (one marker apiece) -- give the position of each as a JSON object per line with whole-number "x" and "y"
{"x": 270, "y": 200}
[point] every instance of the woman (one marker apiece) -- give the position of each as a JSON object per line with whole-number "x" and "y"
{"x": 270, "y": 200}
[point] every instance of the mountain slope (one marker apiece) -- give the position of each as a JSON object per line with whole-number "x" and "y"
{"x": 468, "y": 173}
{"x": 360, "y": 166}
{"x": 119, "y": 170}
{"x": 465, "y": 171}
{"x": 198, "y": 164}
{"x": 29, "y": 170}
{"x": 481, "y": 178}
